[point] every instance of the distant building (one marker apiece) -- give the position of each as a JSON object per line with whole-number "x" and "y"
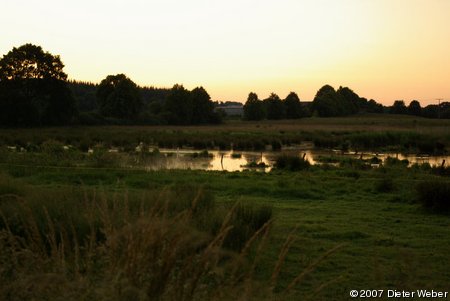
{"x": 231, "y": 110}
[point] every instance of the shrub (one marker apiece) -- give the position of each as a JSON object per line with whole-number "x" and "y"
{"x": 102, "y": 158}
{"x": 53, "y": 148}
{"x": 292, "y": 163}
{"x": 441, "y": 170}
{"x": 434, "y": 195}
{"x": 254, "y": 164}
{"x": 421, "y": 167}
{"x": 236, "y": 155}
{"x": 354, "y": 163}
{"x": 276, "y": 145}
{"x": 390, "y": 161}
{"x": 375, "y": 160}
{"x": 202, "y": 154}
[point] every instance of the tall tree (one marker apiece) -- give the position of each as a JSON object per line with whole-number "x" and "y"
{"x": 119, "y": 97}
{"x": 374, "y": 107}
{"x": 414, "y": 108}
{"x": 274, "y": 106}
{"x": 350, "y": 101}
{"x": 398, "y": 107}
{"x": 202, "y": 106}
{"x": 293, "y": 107}
{"x": 33, "y": 88}
{"x": 254, "y": 108}
{"x": 30, "y": 61}
{"x": 431, "y": 111}
{"x": 327, "y": 102}
{"x": 178, "y": 106}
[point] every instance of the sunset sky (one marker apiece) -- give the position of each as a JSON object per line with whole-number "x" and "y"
{"x": 382, "y": 49}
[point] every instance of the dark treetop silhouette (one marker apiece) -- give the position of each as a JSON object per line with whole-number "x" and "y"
{"x": 33, "y": 88}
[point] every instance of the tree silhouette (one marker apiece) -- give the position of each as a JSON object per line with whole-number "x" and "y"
{"x": 293, "y": 107}
{"x": 30, "y": 61}
{"x": 398, "y": 107}
{"x": 119, "y": 97}
{"x": 326, "y": 102}
{"x": 178, "y": 107}
{"x": 373, "y": 107}
{"x": 414, "y": 108}
{"x": 33, "y": 90}
{"x": 274, "y": 106}
{"x": 350, "y": 101}
{"x": 254, "y": 108}
{"x": 202, "y": 106}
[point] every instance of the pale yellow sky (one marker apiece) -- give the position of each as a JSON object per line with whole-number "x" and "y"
{"x": 382, "y": 49}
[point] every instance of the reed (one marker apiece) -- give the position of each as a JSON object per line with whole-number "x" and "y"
{"x": 97, "y": 245}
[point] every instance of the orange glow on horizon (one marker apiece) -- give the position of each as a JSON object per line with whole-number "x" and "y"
{"x": 384, "y": 50}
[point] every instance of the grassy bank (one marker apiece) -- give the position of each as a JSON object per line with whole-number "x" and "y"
{"x": 372, "y": 132}
{"x": 387, "y": 238}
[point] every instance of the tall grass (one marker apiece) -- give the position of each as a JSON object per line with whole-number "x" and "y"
{"x": 247, "y": 136}
{"x": 165, "y": 245}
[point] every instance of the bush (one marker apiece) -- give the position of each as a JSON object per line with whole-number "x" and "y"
{"x": 375, "y": 160}
{"x": 102, "y": 158}
{"x": 354, "y": 163}
{"x": 390, "y": 161}
{"x": 292, "y": 163}
{"x": 53, "y": 148}
{"x": 434, "y": 195}
{"x": 236, "y": 155}
{"x": 441, "y": 170}
{"x": 276, "y": 145}
{"x": 254, "y": 164}
{"x": 202, "y": 154}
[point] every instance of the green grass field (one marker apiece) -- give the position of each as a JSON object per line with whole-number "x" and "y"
{"x": 387, "y": 240}
{"x": 80, "y": 227}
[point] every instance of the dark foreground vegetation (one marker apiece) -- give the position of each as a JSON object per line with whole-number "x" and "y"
{"x": 110, "y": 233}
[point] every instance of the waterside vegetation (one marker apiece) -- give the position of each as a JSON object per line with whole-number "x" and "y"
{"x": 114, "y": 233}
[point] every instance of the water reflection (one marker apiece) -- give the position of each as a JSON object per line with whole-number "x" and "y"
{"x": 238, "y": 161}
{"x": 232, "y": 161}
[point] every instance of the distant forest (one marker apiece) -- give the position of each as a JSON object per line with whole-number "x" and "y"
{"x": 34, "y": 91}
{"x": 175, "y": 105}
{"x": 329, "y": 102}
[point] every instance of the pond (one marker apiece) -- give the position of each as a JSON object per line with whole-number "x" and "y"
{"x": 239, "y": 161}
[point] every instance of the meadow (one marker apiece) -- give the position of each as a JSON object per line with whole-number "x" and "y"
{"x": 366, "y": 132}
{"x": 101, "y": 231}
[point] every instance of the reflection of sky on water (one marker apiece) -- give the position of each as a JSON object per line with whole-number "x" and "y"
{"x": 225, "y": 160}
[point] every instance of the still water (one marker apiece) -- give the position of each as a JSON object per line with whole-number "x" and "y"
{"x": 238, "y": 161}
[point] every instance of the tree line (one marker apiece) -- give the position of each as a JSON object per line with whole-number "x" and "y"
{"x": 34, "y": 91}
{"x": 330, "y": 102}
